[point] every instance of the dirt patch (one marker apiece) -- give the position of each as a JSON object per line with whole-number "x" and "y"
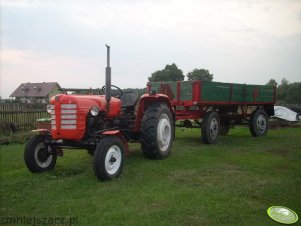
{"x": 283, "y": 124}
{"x": 278, "y": 151}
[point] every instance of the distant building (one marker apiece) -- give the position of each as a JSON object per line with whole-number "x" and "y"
{"x": 36, "y": 92}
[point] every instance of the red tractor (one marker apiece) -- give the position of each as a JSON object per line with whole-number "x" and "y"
{"x": 103, "y": 124}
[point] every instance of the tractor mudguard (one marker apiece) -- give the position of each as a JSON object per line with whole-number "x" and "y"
{"x": 145, "y": 101}
{"x": 120, "y": 135}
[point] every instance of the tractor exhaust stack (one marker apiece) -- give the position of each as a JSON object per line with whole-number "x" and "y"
{"x": 108, "y": 80}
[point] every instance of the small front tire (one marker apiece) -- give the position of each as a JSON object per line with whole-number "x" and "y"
{"x": 38, "y": 158}
{"x": 108, "y": 158}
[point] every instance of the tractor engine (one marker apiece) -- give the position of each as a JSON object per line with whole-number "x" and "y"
{"x": 75, "y": 117}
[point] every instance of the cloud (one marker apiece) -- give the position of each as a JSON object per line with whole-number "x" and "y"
{"x": 237, "y": 40}
{"x": 18, "y": 66}
{"x": 21, "y": 66}
{"x": 275, "y": 17}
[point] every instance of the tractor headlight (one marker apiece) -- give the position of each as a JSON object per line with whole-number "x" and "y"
{"x": 94, "y": 111}
{"x": 49, "y": 108}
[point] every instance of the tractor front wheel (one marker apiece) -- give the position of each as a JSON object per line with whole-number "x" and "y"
{"x": 108, "y": 158}
{"x": 37, "y": 156}
{"x": 157, "y": 131}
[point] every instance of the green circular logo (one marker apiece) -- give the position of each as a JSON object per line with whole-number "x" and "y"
{"x": 282, "y": 214}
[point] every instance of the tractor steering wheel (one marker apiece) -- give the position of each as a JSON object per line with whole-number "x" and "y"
{"x": 117, "y": 92}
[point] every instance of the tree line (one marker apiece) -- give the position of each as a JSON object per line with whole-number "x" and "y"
{"x": 287, "y": 93}
{"x": 172, "y": 73}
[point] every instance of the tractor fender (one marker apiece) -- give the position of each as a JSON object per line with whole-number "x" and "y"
{"x": 120, "y": 135}
{"x": 145, "y": 101}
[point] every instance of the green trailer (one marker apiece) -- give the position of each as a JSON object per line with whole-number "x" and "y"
{"x": 217, "y": 106}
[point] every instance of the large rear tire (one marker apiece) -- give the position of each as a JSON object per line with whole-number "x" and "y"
{"x": 157, "y": 131}
{"x": 210, "y": 127}
{"x": 108, "y": 158}
{"x": 37, "y": 156}
{"x": 259, "y": 123}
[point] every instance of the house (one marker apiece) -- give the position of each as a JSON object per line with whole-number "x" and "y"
{"x": 36, "y": 92}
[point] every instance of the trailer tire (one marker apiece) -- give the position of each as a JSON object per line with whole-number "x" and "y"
{"x": 259, "y": 123}
{"x": 157, "y": 131}
{"x": 36, "y": 155}
{"x": 108, "y": 158}
{"x": 210, "y": 127}
{"x": 224, "y": 129}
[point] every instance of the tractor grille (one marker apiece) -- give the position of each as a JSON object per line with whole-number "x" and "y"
{"x": 67, "y": 114}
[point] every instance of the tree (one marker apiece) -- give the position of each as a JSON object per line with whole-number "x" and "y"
{"x": 284, "y": 82}
{"x": 294, "y": 93}
{"x": 169, "y": 73}
{"x": 272, "y": 82}
{"x": 200, "y": 74}
{"x": 282, "y": 90}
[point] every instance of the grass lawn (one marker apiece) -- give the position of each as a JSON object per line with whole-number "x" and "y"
{"x": 231, "y": 183}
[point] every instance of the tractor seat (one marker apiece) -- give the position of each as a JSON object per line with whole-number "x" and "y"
{"x": 129, "y": 99}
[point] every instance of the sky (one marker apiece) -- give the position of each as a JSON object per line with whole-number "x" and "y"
{"x": 240, "y": 41}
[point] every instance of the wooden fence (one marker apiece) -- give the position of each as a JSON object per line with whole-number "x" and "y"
{"x": 20, "y": 117}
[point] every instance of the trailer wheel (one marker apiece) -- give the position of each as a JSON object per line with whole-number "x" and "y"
{"x": 108, "y": 158}
{"x": 224, "y": 129}
{"x": 259, "y": 123}
{"x": 37, "y": 156}
{"x": 157, "y": 131}
{"x": 210, "y": 127}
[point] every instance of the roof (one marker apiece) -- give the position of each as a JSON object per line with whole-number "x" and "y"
{"x": 35, "y": 89}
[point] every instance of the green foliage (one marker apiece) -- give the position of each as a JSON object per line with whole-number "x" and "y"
{"x": 287, "y": 93}
{"x": 294, "y": 93}
{"x": 14, "y": 138}
{"x": 169, "y": 73}
{"x": 200, "y": 74}
{"x": 272, "y": 82}
{"x": 284, "y": 82}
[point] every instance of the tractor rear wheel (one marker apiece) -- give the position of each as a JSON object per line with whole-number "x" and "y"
{"x": 157, "y": 131}
{"x": 259, "y": 123}
{"x": 37, "y": 156}
{"x": 210, "y": 127}
{"x": 108, "y": 158}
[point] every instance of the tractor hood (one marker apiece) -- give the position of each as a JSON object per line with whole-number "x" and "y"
{"x": 69, "y": 113}
{"x": 86, "y": 102}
